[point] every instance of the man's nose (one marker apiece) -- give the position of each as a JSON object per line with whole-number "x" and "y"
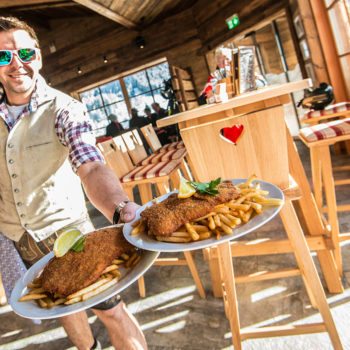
{"x": 16, "y": 62}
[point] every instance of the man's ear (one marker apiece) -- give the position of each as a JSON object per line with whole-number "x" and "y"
{"x": 39, "y": 59}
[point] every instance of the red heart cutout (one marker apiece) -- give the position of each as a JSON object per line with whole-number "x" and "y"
{"x": 233, "y": 133}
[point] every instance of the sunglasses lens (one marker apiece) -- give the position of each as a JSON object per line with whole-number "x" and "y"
{"x": 26, "y": 55}
{"x": 5, "y": 57}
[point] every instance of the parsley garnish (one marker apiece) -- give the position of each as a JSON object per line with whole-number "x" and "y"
{"x": 206, "y": 187}
{"x": 79, "y": 245}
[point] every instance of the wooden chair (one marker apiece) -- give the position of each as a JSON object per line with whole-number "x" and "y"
{"x": 319, "y": 138}
{"x": 184, "y": 88}
{"x": 337, "y": 111}
{"x": 266, "y": 149}
{"x": 175, "y": 150}
{"x": 135, "y": 146}
{"x": 117, "y": 158}
{"x": 340, "y": 110}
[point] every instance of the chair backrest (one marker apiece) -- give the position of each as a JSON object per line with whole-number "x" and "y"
{"x": 116, "y": 156}
{"x": 135, "y": 146}
{"x": 151, "y": 137}
{"x": 184, "y": 88}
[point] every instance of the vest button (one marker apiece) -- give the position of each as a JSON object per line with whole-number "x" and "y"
{"x": 16, "y": 190}
{"x": 10, "y": 145}
{"x": 26, "y": 225}
{"x": 14, "y": 176}
{"x": 22, "y": 216}
{"x": 19, "y": 204}
{"x": 11, "y": 161}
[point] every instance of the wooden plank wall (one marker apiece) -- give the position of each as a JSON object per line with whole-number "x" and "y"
{"x": 210, "y": 18}
{"x": 184, "y": 39}
{"x": 175, "y": 38}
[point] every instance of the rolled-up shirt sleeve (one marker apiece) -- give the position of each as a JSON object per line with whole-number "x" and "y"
{"x": 74, "y": 131}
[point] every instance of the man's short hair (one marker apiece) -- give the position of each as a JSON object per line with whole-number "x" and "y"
{"x": 13, "y": 23}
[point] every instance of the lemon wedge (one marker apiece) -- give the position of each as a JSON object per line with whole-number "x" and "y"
{"x": 186, "y": 190}
{"x": 65, "y": 241}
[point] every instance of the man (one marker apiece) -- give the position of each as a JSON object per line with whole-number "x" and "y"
{"x": 151, "y": 117}
{"x": 114, "y": 128}
{"x": 161, "y": 112}
{"x": 46, "y": 151}
{"x": 171, "y": 130}
{"x": 136, "y": 121}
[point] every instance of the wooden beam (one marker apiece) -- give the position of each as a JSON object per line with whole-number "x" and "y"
{"x": 267, "y": 275}
{"x": 279, "y": 331}
{"x": 46, "y": 5}
{"x": 104, "y": 11}
{"x": 270, "y": 247}
{"x": 329, "y": 49}
{"x": 18, "y": 3}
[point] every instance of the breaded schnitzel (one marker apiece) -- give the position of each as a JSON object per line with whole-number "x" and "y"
{"x": 164, "y": 218}
{"x": 77, "y": 270}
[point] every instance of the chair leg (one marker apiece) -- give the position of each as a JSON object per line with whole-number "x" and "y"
{"x": 163, "y": 187}
{"x": 145, "y": 192}
{"x": 175, "y": 178}
{"x": 195, "y": 275}
{"x": 3, "y": 299}
{"x": 316, "y": 172}
{"x": 185, "y": 170}
{"x": 192, "y": 168}
{"x": 129, "y": 192}
{"x": 214, "y": 270}
{"x": 142, "y": 287}
{"x": 329, "y": 187}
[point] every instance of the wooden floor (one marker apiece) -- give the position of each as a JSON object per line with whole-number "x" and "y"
{"x": 174, "y": 317}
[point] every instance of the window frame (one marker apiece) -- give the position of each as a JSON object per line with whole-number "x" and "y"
{"x": 127, "y": 99}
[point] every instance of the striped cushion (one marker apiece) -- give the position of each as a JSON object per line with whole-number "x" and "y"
{"x": 173, "y": 145}
{"x": 326, "y": 130}
{"x": 329, "y": 110}
{"x": 165, "y": 156}
{"x": 150, "y": 171}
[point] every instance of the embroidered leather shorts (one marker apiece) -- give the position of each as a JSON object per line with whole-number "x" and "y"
{"x": 32, "y": 251}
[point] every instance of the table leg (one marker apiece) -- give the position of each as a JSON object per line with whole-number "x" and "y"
{"x": 313, "y": 218}
{"x": 229, "y": 292}
{"x": 308, "y": 269}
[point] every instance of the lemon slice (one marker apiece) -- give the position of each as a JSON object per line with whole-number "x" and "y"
{"x": 65, "y": 241}
{"x": 186, "y": 190}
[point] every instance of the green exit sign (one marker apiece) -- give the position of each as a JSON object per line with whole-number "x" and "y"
{"x": 233, "y": 21}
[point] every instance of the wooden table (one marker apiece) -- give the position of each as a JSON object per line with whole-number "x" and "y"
{"x": 266, "y": 149}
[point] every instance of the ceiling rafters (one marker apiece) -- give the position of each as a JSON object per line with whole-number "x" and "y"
{"x": 20, "y": 3}
{"x": 104, "y": 11}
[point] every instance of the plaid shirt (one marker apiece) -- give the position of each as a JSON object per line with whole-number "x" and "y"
{"x": 72, "y": 129}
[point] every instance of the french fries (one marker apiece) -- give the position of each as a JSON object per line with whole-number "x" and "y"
{"x": 110, "y": 276}
{"x": 223, "y": 219}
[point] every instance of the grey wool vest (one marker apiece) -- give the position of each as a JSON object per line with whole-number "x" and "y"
{"x": 39, "y": 192}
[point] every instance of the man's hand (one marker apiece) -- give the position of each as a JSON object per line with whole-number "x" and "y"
{"x": 128, "y": 213}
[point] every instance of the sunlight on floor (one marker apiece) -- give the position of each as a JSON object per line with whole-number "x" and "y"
{"x": 163, "y": 320}
{"x": 10, "y": 334}
{"x": 158, "y": 299}
{"x": 267, "y": 293}
{"x": 172, "y": 327}
{"x": 40, "y": 338}
{"x": 5, "y": 309}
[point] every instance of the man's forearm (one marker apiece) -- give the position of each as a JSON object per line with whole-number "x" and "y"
{"x": 102, "y": 187}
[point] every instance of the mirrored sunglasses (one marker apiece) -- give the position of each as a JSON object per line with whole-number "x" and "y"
{"x": 24, "y": 55}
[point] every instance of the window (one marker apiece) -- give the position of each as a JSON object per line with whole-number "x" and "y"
{"x": 136, "y": 90}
